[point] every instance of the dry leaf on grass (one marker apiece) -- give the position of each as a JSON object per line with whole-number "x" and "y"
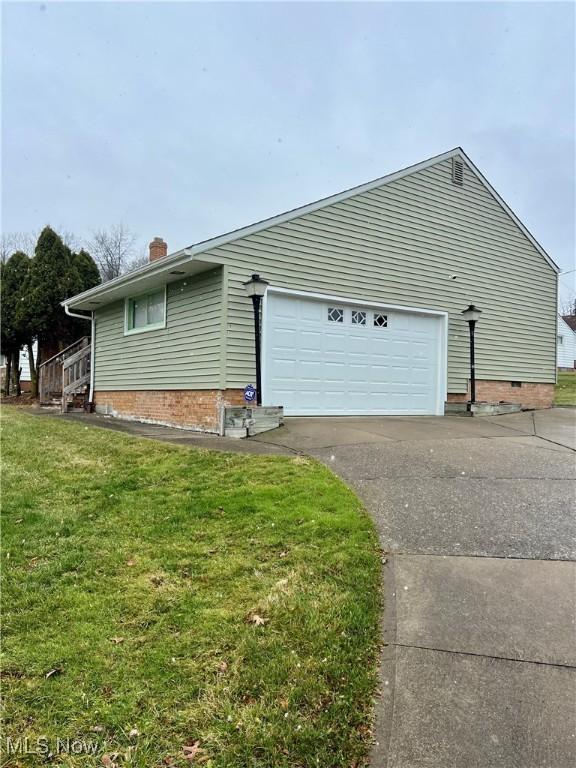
{"x": 258, "y": 621}
{"x": 222, "y": 667}
{"x": 191, "y": 750}
{"x": 108, "y": 762}
{"x": 53, "y": 672}
{"x": 117, "y": 640}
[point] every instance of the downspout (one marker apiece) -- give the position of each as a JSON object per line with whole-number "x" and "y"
{"x": 92, "y": 345}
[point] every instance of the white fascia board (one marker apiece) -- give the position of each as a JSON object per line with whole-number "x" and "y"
{"x": 380, "y": 182}
{"x": 294, "y": 213}
{"x": 132, "y": 280}
{"x": 185, "y": 254}
{"x": 484, "y": 181}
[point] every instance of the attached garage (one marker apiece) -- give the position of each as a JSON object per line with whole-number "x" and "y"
{"x": 329, "y": 356}
{"x": 362, "y": 287}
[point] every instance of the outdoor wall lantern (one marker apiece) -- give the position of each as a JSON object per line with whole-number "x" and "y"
{"x": 472, "y": 315}
{"x": 255, "y": 289}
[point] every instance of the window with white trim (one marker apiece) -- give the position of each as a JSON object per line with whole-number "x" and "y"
{"x": 146, "y": 312}
{"x": 358, "y": 317}
{"x": 380, "y": 321}
{"x": 335, "y": 315}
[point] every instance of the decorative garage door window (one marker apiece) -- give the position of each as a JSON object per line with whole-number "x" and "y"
{"x": 332, "y": 357}
{"x": 380, "y": 321}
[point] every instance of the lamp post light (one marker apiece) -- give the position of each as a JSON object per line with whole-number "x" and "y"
{"x": 472, "y": 315}
{"x": 255, "y": 289}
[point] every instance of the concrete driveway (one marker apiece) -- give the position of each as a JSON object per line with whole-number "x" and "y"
{"x": 477, "y": 521}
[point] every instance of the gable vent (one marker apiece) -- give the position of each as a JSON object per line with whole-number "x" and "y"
{"x": 457, "y": 171}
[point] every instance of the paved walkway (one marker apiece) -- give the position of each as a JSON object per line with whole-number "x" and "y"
{"x": 477, "y": 519}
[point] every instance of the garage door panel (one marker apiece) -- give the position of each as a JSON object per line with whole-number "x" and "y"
{"x": 285, "y": 307}
{"x": 312, "y": 311}
{"x": 398, "y": 375}
{"x": 315, "y": 366}
{"x": 311, "y": 370}
{"x": 358, "y": 374}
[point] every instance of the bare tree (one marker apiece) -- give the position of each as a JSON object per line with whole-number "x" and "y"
{"x": 113, "y": 249}
{"x": 138, "y": 261}
{"x": 568, "y": 306}
{"x": 10, "y": 242}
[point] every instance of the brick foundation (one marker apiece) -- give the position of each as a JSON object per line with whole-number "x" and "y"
{"x": 529, "y": 395}
{"x": 197, "y": 409}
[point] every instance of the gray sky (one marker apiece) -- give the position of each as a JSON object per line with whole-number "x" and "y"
{"x": 186, "y": 120}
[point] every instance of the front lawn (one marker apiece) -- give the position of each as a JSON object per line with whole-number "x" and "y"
{"x": 566, "y": 388}
{"x": 179, "y": 607}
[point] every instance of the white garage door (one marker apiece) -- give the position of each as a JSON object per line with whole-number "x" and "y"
{"x": 328, "y": 358}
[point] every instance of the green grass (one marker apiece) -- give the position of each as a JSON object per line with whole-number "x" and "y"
{"x": 566, "y": 388}
{"x": 133, "y": 568}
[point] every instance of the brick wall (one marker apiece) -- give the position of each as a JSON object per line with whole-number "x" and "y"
{"x": 529, "y": 395}
{"x": 197, "y": 409}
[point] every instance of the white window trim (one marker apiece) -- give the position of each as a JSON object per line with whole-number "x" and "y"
{"x": 154, "y": 327}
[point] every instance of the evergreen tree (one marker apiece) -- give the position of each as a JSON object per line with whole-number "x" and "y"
{"x": 56, "y": 274}
{"x": 85, "y": 276}
{"x": 88, "y": 274}
{"x": 15, "y": 332}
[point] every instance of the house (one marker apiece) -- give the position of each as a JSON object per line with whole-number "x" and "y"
{"x": 566, "y": 341}
{"x": 362, "y": 315}
{"x": 570, "y": 321}
{"x": 25, "y": 377}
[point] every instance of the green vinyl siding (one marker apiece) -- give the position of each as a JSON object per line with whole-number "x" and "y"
{"x": 398, "y": 244}
{"x": 395, "y": 244}
{"x": 186, "y": 354}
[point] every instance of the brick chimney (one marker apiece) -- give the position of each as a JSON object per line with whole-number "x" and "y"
{"x": 158, "y": 249}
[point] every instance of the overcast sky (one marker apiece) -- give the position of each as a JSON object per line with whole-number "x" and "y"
{"x": 186, "y": 120}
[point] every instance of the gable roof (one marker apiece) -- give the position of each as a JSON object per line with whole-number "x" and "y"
{"x": 143, "y": 275}
{"x": 570, "y": 321}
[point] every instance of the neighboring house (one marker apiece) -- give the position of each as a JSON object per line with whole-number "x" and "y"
{"x": 362, "y": 316}
{"x": 25, "y": 379}
{"x": 570, "y": 321}
{"x": 566, "y": 340}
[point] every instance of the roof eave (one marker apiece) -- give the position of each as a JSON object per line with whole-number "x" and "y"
{"x": 236, "y": 234}
{"x": 185, "y": 254}
{"x": 148, "y": 270}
